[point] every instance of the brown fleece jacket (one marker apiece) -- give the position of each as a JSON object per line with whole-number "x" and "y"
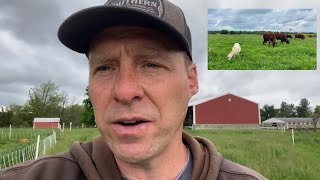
{"x": 94, "y": 160}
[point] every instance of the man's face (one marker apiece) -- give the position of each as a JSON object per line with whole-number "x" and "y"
{"x": 139, "y": 87}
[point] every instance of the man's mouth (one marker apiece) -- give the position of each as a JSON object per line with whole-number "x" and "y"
{"x": 130, "y": 126}
{"x": 131, "y": 123}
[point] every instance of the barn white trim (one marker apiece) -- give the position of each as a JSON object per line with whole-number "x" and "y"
{"x": 46, "y": 120}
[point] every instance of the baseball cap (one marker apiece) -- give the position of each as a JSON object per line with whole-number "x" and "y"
{"x": 77, "y": 31}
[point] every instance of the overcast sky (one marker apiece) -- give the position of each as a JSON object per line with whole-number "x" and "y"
{"x": 30, "y": 53}
{"x": 295, "y": 20}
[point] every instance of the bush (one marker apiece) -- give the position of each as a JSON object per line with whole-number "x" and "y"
{"x": 224, "y": 31}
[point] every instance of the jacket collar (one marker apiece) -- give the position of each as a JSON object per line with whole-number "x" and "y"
{"x": 206, "y": 159}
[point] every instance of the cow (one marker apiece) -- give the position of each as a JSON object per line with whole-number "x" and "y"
{"x": 301, "y": 36}
{"x": 289, "y": 36}
{"x": 269, "y": 37}
{"x": 282, "y": 37}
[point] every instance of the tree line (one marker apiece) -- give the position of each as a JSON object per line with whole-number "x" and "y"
{"x": 224, "y": 31}
{"x": 47, "y": 100}
{"x": 287, "y": 110}
{"x": 44, "y": 100}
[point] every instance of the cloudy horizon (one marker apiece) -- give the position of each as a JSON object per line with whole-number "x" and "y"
{"x": 31, "y": 54}
{"x": 276, "y": 20}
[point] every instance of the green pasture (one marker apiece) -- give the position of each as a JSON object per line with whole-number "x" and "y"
{"x": 298, "y": 55}
{"x": 269, "y": 152}
{"x": 68, "y": 137}
{"x": 12, "y": 143}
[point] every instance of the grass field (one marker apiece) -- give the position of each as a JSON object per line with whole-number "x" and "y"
{"x": 8, "y": 145}
{"x": 269, "y": 152}
{"x": 68, "y": 137}
{"x": 298, "y": 55}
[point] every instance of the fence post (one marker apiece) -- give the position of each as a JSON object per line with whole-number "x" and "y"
{"x": 44, "y": 146}
{"x": 12, "y": 159}
{"x": 292, "y": 137}
{"x": 9, "y": 160}
{"x": 10, "y": 132}
{"x": 37, "y": 148}
{"x": 23, "y": 155}
{"x": 50, "y": 142}
{"x": 54, "y": 137}
{"x": 17, "y": 157}
{"x": 4, "y": 161}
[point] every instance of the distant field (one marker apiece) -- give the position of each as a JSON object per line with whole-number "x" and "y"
{"x": 298, "y": 55}
{"x": 269, "y": 152}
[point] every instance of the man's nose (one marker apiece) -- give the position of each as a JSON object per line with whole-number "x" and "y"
{"x": 127, "y": 88}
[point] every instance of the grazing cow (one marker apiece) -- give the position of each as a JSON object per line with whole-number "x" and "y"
{"x": 269, "y": 37}
{"x": 301, "y": 36}
{"x": 235, "y": 51}
{"x": 282, "y": 37}
{"x": 289, "y": 36}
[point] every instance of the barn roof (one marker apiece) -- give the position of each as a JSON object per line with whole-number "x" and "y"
{"x": 46, "y": 120}
{"x": 289, "y": 120}
{"x": 273, "y": 120}
{"x": 196, "y": 102}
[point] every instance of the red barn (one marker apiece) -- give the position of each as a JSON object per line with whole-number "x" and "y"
{"x": 225, "y": 111}
{"x": 46, "y": 123}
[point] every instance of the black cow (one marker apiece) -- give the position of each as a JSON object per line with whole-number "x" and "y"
{"x": 289, "y": 36}
{"x": 282, "y": 37}
{"x": 301, "y": 36}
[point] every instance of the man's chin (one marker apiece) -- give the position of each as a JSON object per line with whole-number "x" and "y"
{"x": 132, "y": 154}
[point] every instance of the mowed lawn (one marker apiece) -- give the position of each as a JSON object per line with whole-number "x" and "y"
{"x": 298, "y": 55}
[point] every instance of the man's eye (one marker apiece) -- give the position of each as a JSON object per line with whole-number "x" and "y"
{"x": 151, "y": 65}
{"x": 103, "y": 68}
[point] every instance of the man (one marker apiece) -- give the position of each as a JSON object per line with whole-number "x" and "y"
{"x": 141, "y": 79}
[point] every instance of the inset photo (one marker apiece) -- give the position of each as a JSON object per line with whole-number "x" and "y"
{"x": 262, "y": 39}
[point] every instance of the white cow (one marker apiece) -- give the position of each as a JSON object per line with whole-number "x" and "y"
{"x": 235, "y": 51}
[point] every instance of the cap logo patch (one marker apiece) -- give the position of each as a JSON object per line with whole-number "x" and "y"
{"x": 154, "y": 7}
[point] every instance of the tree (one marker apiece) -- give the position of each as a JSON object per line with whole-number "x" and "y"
{"x": 224, "y": 31}
{"x": 22, "y": 116}
{"x": 5, "y": 117}
{"x": 88, "y": 114}
{"x": 73, "y": 113}
{"x": 316, "y": 117}
{"x": 292, "y": 110}
{"x": 46, "y": 100}
{"x": 304, "y": 109}
{"x": 287, "y": 110}
{"x": 267, "y": 112}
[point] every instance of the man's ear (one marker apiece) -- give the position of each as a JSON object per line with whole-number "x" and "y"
{"x": 193, "y": 80}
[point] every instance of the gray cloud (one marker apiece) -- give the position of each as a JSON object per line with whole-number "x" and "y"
{"x": 31, "y": 53}
{"x": 263, "y": 19}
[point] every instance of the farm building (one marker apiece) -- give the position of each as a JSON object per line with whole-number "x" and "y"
{"x": 289, "y": 123}
{"x": 227, "y": 111}
{"x": 46, "y": 123}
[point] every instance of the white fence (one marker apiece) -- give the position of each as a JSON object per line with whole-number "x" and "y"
{"x": 30, "y": 152}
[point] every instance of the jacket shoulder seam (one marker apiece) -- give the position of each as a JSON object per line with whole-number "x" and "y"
{"x": 240, "y": 174}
